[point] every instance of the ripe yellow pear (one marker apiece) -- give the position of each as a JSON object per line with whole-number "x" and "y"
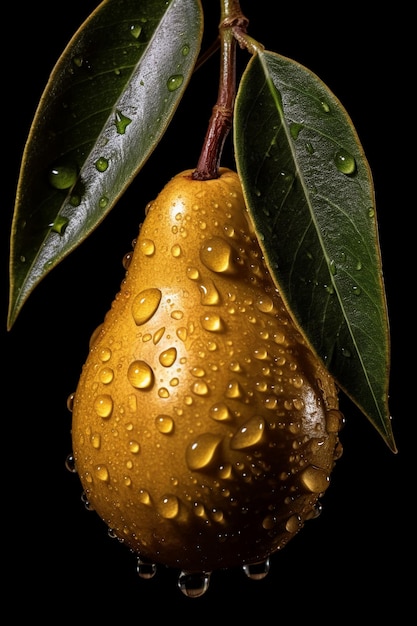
{"x": 204, "y": 428}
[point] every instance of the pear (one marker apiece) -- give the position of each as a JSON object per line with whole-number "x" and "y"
{"x": 204, "y": 428}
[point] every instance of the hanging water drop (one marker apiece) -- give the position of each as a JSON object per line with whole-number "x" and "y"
{"x": 257, "y": 571}
{"x": 70, "y": 464}
{"x": 195, "y": 584}
{"x": 145, "y": 569}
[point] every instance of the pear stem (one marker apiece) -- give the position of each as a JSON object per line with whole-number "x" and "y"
{"x": 232, "y": 28}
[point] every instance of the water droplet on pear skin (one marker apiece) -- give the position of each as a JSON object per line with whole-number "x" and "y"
{"x": 145, "y": 305}
{"x": 140, "y": 375}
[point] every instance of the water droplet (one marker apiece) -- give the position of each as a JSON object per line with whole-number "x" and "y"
{"x": 194, "y": 585}
{"x": 96, "y": 440}
{"x": 356, "y": 290}
{"x": 193, "y": 273}
{"x": 220, "y": 412}
{"x": 209, "y": 294}
{"x": 169, "y": 506}
{"x": 144, "y": 497}
{"x": 295, "y": 129}
{"x": 176, "y": 250}
{"x": 70, "y": 464}
{"x": 314, "y": 479}
{"x": 249, "y": 434}
{"x": 217, "y": 255}
{"x": 310, "y": 148}
{"x": 158, "y": 335}
{"x": 70, "y": 402}
{"x": 135, "y": 30}
{"x": 140, "y": 375}
{"x": 145, "y": 305}
{"x": 175, "y": 81}
{"x": 213, "y": 323}
{"x": 122, "y": 122}
{"x": 265, "y": 304}
{"x": 103, "y": 405}
{"x": 62, "y": 176}
{"x": 201, "y": 452}
{"x": 234, "y": 390}
{"x": 168, "y": 357}
{"x": 198, "y": 372}
{"x": 134, "y": 447}
{"x": 325, "y": 106}
{"x": 185, "y": 50}
{"x": 102, "y": 473}
{"x": 145, "y": 569}
{"x": 105, "y": 355}
{"x": 200, "y": 388}
{"x": 127, "y": 259}
{"x": 334, "y": 421}
{"x": 163, "y": 392}
{"x": 78, "y": 61}
{"x": 165, "y": 424}
{"x": 59, "y": 225}
{"x": 106, "y": 375}
{"x": 103, "y": 202}
{"x": 257, "y": 571}
{"x": 182, "y": 333}
{"x": 102, "y": 164}
{"x": 345, "y": 162}
{"x": 148, "y": 247}
{"x": 293, "y": 524}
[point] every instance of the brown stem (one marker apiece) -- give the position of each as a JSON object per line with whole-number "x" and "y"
{"x": 222, "y": 115}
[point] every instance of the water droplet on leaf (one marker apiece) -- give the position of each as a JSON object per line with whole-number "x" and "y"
{"x": 122, "y": 122}
{"x": 345, "y": 162}
{"x": 175, "y": 81}
{"x": 63, "y": 176}
{"x": 102, "y": 164}
{"x": 59, "y": 225}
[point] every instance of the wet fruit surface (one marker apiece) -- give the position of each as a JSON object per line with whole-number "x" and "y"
{"x": 204, "y": 429}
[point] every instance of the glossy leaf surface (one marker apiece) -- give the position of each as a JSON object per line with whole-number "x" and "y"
{"x": 309, "y": 190}
{"x": 107, "y": 103}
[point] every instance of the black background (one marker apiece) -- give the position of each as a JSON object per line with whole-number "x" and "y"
{"x": 61, "y": 565}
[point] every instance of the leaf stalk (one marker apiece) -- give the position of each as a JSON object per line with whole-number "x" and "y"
{"x": 232, "y": 29}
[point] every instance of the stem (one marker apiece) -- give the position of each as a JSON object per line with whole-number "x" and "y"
{"x": 232, "y": 19}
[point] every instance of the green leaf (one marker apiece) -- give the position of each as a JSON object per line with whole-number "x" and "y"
{"x": 310, "y": 193}
{"x": 107, "y": 104}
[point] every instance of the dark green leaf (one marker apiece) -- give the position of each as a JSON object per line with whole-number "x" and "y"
{"x": 108, "y": 102}
{"x": 310, "y": 193}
